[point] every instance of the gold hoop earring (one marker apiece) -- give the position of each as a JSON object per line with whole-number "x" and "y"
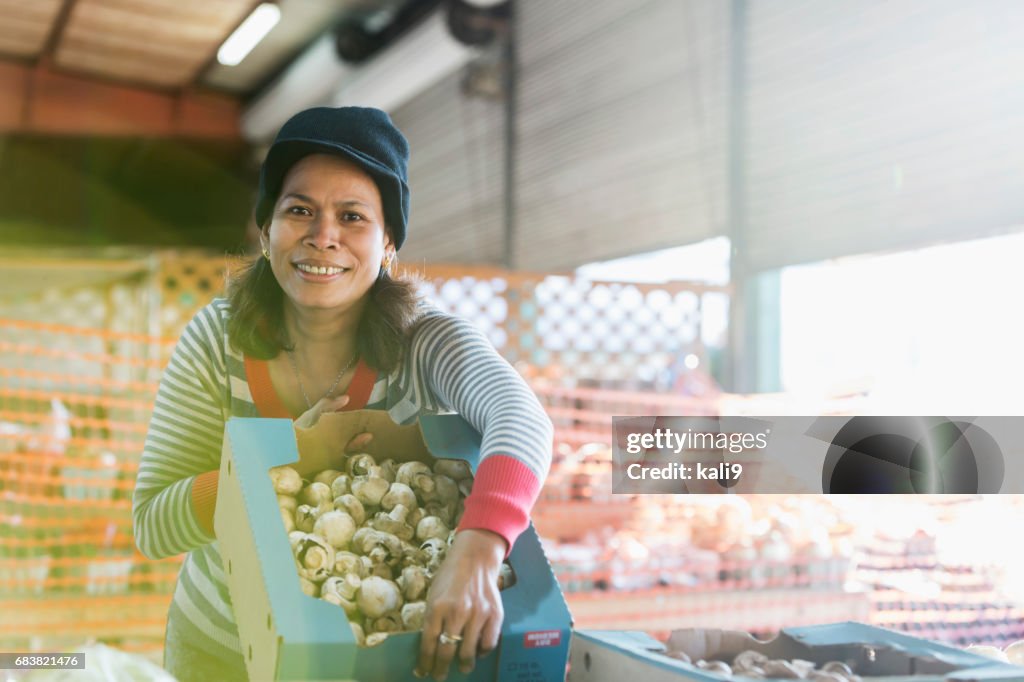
{"x": 387, "y": 263}
{"x": 266, "y": 253}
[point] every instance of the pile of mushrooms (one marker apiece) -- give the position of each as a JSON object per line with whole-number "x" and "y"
{"x": 754, "y": 665}
{"x": 369, "y": 537}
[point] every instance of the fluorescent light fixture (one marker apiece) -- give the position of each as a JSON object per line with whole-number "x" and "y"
{"x": 249, "y": 33}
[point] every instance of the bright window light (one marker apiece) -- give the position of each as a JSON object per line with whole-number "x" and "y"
{"x": 251, "y": 31}
{"x": 929, "y": 331}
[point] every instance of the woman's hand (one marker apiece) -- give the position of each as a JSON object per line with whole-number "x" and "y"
{"x": 326, "y": 404}
{"x": 463, "y": 601}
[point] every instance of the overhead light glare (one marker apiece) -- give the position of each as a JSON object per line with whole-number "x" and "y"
{"x": 248, "y": 34}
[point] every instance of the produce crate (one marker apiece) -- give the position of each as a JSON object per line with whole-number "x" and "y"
{"x": 287, "y": 635}
{"x": 874, "y": 653}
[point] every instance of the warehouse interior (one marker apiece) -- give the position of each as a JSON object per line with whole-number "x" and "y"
{"x": 653, "y": 207}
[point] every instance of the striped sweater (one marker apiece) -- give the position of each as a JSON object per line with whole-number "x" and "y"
{"x": 448, "y": 366}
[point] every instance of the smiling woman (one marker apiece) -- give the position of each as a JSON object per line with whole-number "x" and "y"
{"x": 316, "y": 323}
{"x": 327, "y": 240}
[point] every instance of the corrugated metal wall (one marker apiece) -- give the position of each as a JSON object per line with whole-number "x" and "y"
{"x": 456, "y": 175}
{"x": 882, "y": 125}
{"x": 868, "y": 126}
{"x": 622, "y": 128}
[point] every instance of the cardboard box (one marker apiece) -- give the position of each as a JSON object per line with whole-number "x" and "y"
{"x": 875, "y": 653}
{"x": 287, "y": 635}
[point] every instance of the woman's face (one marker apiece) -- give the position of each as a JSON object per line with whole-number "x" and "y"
{"x": 326, "y": 236}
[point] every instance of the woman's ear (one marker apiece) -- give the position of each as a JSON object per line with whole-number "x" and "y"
{"x": 265, "y": 241}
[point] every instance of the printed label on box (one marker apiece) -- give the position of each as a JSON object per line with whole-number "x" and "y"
{"x": 541, "y": 638}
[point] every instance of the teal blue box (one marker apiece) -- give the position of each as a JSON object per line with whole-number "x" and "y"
{"x": 877, "y": 654}
{"x": 287, "y": 635}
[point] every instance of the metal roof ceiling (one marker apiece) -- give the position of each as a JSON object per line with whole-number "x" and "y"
{"x": 165, "y": 44}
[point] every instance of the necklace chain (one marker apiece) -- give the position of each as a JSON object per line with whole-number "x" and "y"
{"x": 337, "y": 380}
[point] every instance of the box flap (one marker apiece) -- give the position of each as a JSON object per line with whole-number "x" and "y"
{"x": 432, "y": 436}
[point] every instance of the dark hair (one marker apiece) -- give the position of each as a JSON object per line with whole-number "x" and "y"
{"x": 256, "y": 324}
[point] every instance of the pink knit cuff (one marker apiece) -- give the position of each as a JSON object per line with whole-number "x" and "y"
{"x": 503, "y": 494}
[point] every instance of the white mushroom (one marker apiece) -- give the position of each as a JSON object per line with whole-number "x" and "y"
{"x": 389, "y": 469}
{"x": 286, "y": 480}
{"x": 376, "y": 638}
{"x": 678, "y": 655}
{"x": 314, "y": 556}
{"x": 416, "y": 514}
{"x": 309, "y": 587}
{"x": 389, "y": 622}
{"x": 445, "y": 512}
{"x": 378, "y": 596}
{"x": 351, "y": 505}
{"x": 433, "y": 551}
{"x": 417, "y": 476}
{"x": 781, "y": 669}
{"x": 394, "y": 522}
{"x": 382, "y": 570}
{"x": 370, "y": 490}
{"x": 413, "y": 583}
{"x": 357, "y": 630}
{"x": 381, "y": 547}
{"x": 288, "y": 502}
{"x": 349, "y": 562}
{"x": 716, "y": 667}
{"x": 506, "y": 576}
{"x": 411, "y": 555}
{"x": 455, "y": 469}
{"x": 341, "y": 486}
{"x": 305, "y": 517}
{"x": 749, "y": 659}
{"x": 398, "y": 493}
{"x": 802, "y": 667}
{"x": 327, "y": 477}
{"x": 412, "y": 615}
{"x": 431, "y": 527}
{"x": 315, "y": 494}
{"x": 446, "y": 491}
{"x": 336, "y": 527}
{"x": 342, "y": 591}
{"x": 288, "y": 519}
{"x": 359, "y": 464}
{"x": 837, "y": 667}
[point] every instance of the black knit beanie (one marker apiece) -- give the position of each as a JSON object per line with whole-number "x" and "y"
{"x": 363, "y": 135}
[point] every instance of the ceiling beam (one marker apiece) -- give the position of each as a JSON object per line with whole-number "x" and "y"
{"x": 60, "y": 22}
{"x": 43, "y": 101}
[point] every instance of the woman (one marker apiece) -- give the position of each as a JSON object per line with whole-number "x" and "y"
{"x": 318, "y": 324}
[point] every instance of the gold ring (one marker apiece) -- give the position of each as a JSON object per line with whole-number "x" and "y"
{"x": 445, "y": 638}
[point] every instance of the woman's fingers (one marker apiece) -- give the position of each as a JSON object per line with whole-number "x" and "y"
{"x": 442, "y": 635}
{"x": 358, "y": 442}
{"x": 428, "y": 645}
{"x": 326, "y": 404}
{"x": 448, "y": 643}
{"x": 440, "y": 641}
{"x": 464, "y": 610}
{"x": 490, "y": 633}
{"x": 332, "y": 403}
{"x": 470, "y": 642}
